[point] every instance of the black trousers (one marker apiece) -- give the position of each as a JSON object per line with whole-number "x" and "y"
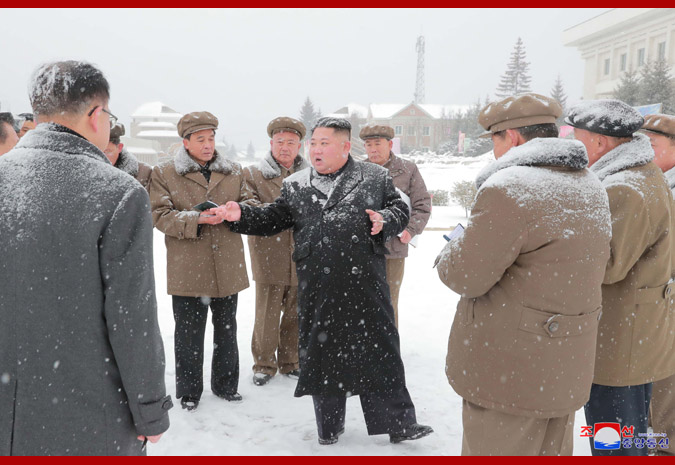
{"x": 190, "y": 315}
{"x": 384, "y": 413}
{"x": 627, "y": 405}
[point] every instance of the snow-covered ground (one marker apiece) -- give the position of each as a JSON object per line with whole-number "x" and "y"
{"x": 270, "y": 421}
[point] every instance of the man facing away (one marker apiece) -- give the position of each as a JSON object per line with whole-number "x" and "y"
{"x": 206, "y": 266}
{"x": 407, "y": 178}
{"x": 81, "y": 355}
{"x": 120, "y": 158}
{"x": 342, "y": 213}
{"x": 636, "y": 332}
{"x": 275, "y": 333}
{"x": 529, "y": 269}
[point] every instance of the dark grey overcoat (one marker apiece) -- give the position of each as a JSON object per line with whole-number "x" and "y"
{"x": 348, "y": 340}
{"x": 81, "y": 356}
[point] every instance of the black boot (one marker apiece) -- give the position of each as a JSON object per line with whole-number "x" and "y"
{"x": 410, "y": 432}
{"x": 189, "y": 403}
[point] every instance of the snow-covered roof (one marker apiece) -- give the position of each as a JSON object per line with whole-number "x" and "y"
{"x": 155, "y": 110}
{"x": 141, "y": 150}
{"x": 159, "y": 134}
{"x": 157, "y": 125}
{"x": 385, "y": 110}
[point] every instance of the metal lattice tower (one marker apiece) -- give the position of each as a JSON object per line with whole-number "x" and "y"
{"x": 419, "y": 85}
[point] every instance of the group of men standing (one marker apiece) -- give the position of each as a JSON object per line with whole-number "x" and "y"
{"x": 564, "y": 273}
{"x": 565, "y": 276}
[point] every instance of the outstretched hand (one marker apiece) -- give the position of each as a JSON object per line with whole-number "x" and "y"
{"x": 231, "y": 211}
{"x": 377, "y": 220}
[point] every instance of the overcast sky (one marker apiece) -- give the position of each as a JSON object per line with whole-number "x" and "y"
{"x": 248, "y": 66}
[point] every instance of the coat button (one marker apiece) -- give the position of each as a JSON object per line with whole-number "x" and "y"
{"x": 326, "y": 270}
{"x": 355, "y": 239}
{"x": 356, "y": 270}
{"x": 553, "y": 327}
{"x": 214, "y": 247}
{"x": 167, "y": 404}
{"x": 325, "y": 240}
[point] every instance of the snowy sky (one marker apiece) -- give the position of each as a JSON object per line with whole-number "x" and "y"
{"x": 248, "y": 66}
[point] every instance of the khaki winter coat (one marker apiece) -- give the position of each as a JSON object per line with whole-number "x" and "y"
{"x": 201, "y": 261}
{"x": 135, "y": 168}
{"x": 635, "y": 339}
{"x": 271, "y": 256}
{"x": 529, "y": 269}
{"x": 408, "y": 179}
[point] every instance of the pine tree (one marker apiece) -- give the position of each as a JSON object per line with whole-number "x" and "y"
{"x": 308, "y": 115}
{"x": 232, "y": 151}
{"x": 656, "y": 85}
{"x": 628, "y": 90}
{"x": 558, "y": 93}
{"x": 516, "y": 79}
{"x": 250, "y": 150}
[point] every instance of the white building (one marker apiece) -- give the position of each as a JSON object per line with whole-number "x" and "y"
{"x": 615, "y": 41}
{"x": 153, "y": 127}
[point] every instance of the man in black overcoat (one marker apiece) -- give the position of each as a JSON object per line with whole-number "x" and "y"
{"x": 342, "y": 212}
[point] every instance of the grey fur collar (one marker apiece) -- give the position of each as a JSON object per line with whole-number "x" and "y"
{"x": 637, "y": 152}
{"x": 539, "y": 152}
{"x": 670, "y": 177}
{"x": 185, "y": 164}
{"x": 127, "y": 163}
{"x": 270, "y": 169}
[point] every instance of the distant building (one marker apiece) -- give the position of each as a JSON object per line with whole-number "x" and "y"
{"x": 156, "y": 122}
{"x": 615, "y": 41}
{"x": 422, "y": 127}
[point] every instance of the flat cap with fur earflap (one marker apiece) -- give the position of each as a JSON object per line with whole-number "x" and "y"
{"x": 286, "y": 124}
{"x": 517, "y": 112}
{"x": 196, "y": 121}
{"x": 660, "y": 124}
{"x": 116, "y": 132}
{"x": 609, "y": 117}
{"x": 376, "y": 131}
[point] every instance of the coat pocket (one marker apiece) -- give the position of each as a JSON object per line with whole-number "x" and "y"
{"x": 465, "y": 310}
{"x": 557, "y": 325}
{"x": 301, "y": 251}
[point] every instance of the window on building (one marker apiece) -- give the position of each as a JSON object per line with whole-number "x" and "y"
{"x": 641, "y": 56}
{"x": 427, "y": 130}
{"x": 412, "y": 111}
{"x": 624, "y": 61}
{"x": 606, "y": 66}
{"x": 411, "y": 130}
{"x": 661, "y": 53}
{"x": 398, "y": 130}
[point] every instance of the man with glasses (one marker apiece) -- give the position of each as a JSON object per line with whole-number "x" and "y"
{"x": 81, "y": 355}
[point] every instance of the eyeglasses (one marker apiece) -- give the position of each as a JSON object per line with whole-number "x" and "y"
{"x": 113, "y": 118}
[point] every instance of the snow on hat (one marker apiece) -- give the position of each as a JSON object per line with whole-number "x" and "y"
{"x": 196, "y": 121}
{"x": 660, "y": 124}
{"x": 519, "y": 111}
{"x": 609, "y": 117}
{"x": 286, "y": 124}
{"x": 376, "y": 131}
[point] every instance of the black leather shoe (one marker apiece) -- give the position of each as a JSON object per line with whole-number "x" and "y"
{"x": 332, "y": 439}
{"x": 189, "y": 403}
{"x": 294, "y": 374}
{"x": 410, "y": 433}
{"x": 230, "y": 396}
{"x": 260, "y": 379}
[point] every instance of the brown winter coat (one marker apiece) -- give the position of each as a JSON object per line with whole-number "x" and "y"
{"x": 635, "y": 338}
{"x": 271, "y": 256}
{"x": 408, "y": 179}
{"x": 207, "y": 261}
{"x": 137, "y": 169}
{"x": 529, "y": 268}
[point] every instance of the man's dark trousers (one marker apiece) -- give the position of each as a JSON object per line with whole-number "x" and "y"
{"x": 190, "y": 315}
{"x": 627, "y": 405}
{"x": 384, "y": 412}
